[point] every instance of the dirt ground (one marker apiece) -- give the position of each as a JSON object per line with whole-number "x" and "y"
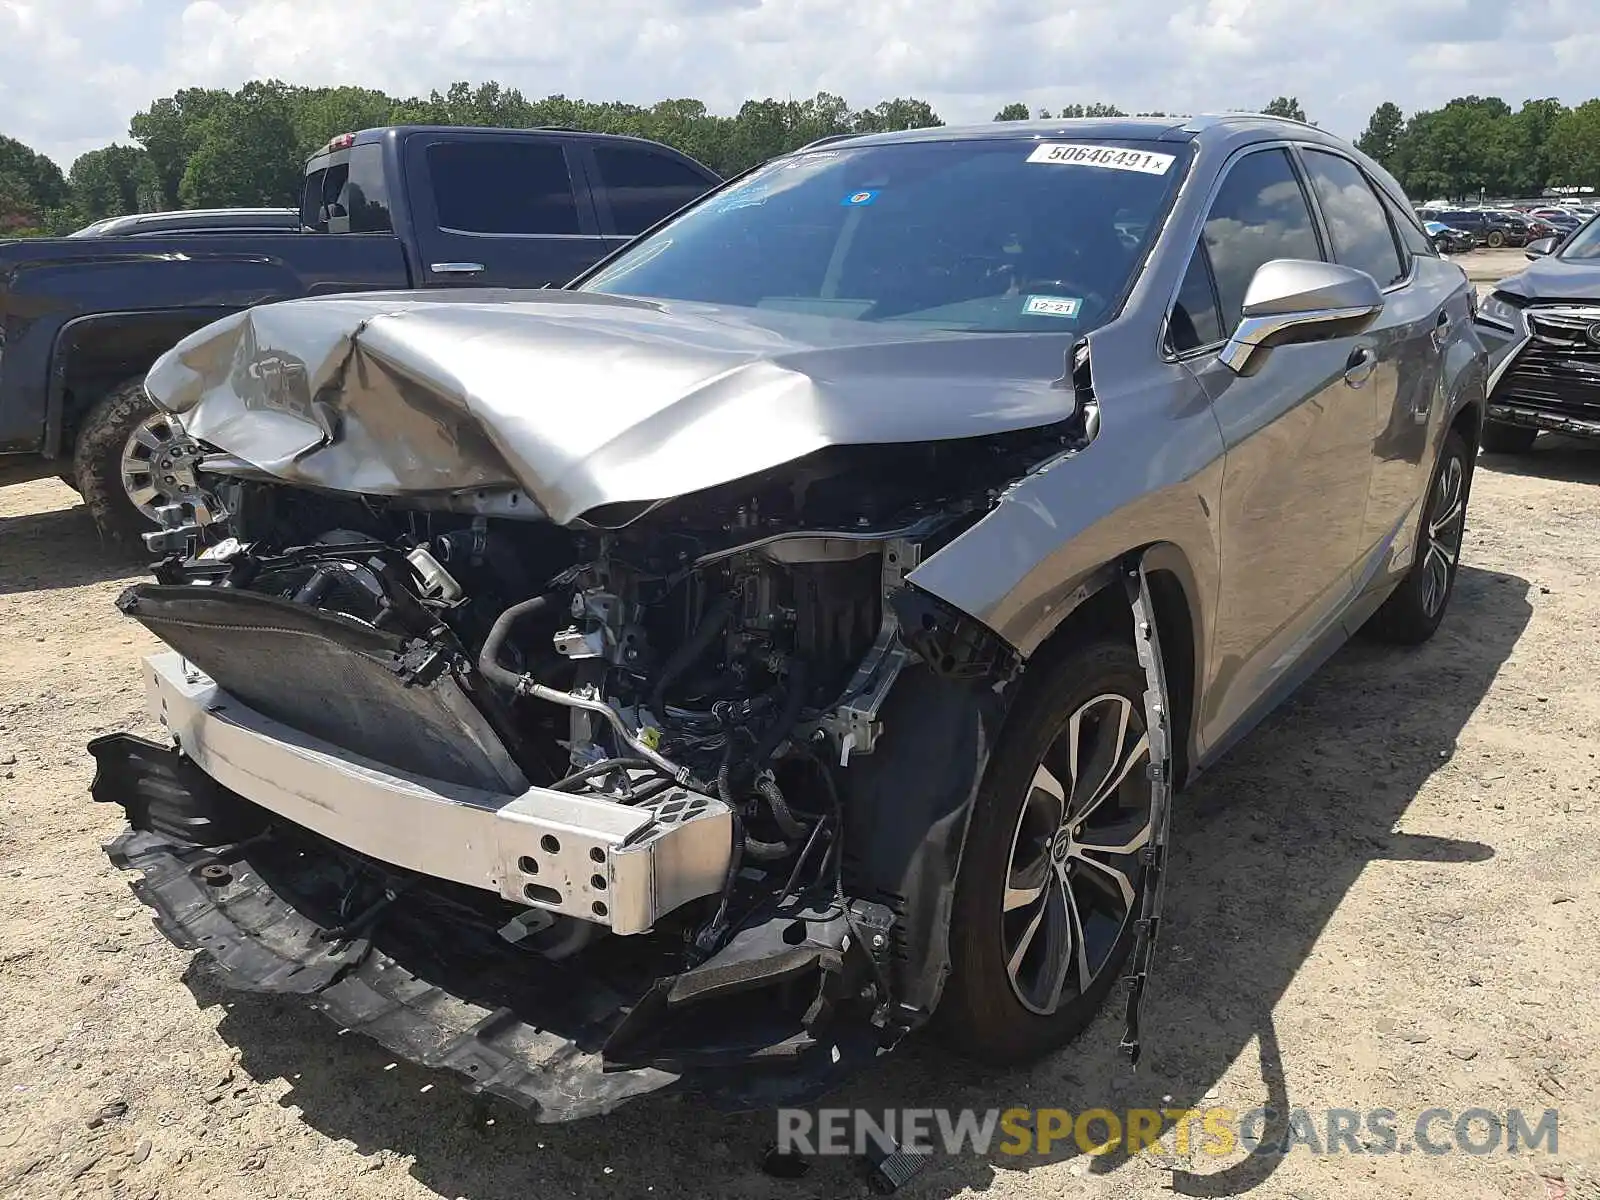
{"x": 1385, "y": 898}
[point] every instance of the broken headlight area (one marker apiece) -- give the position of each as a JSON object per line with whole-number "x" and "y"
{"x": 678, "y": 803}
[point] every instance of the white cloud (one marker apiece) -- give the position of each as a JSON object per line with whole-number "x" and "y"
{"x": 73, "y": 71}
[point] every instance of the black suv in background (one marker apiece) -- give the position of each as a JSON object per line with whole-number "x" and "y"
{"x": 1488, "y": 227}
{"x": 82, "y": 318}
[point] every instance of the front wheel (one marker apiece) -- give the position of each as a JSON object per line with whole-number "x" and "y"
{"x": 1496, "y": 239}
{"x": 1050, "y": 881}
{"x": 132, "y": 459}
{"x": 1499, "y": 438}
{"x": 1413, "y": 611}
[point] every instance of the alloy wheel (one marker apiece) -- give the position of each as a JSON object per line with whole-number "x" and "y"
{"x": 158, "y": 467}
{"x": 1446, "y": 524}
{"x": 1072, "y": 878}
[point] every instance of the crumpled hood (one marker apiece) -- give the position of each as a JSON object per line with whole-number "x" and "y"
{"x": 578, "y": 399}
{"x": 1555, "y": 279}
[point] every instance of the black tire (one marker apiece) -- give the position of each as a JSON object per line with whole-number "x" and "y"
{"x": 1413, "y": 610}
{"x": 101, "y": 440}
{"x": 1499, "y": 438}
{"x": 981, "y": 1014}
{"x": 1496, "y": 239}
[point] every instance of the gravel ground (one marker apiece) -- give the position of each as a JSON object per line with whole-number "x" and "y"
{"x": 1385, "y": 897}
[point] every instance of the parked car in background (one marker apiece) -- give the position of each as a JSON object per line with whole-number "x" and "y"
{"x": 1489, "y": 227}
{"x": 788, "y": 634}
{"x": 83, "y": 317}
{"x": 195, "y": 220}
{"x": 1448, "y": 240}
{"x": 1561, "y": 220}
{"x": 1542, "y": 328}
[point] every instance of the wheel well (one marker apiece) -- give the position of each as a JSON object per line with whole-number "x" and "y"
{"x": 97, "y": 356}
{"x": 1468, "y": 423}
{"x": 1106, "y": 613}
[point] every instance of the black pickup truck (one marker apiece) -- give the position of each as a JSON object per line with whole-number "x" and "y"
{"x": 83, "y": 318}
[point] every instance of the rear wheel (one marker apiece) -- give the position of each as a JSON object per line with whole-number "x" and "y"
{"x": 1050, "y": 879}
{"x": 131, "y": 460}
{"x": 1413, "y": 611}
{"x": 1496, "y": 239}
{"x": 1508, "y": 439}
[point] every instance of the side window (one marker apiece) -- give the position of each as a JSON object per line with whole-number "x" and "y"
{"x": 1415, "y": 239}
{"x": 643, "y": 186}
{"x": 502, "y": 187}
{"x": 1259, "y": 214}
{"x": 1195, "y": 319}
{"x": 311, "y": 201}
{"x": 1362, "y": 237}
{"x": 366, "y": 193}
{"x": 335, "y": 217}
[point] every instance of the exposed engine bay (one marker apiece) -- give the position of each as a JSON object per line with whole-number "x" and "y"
{"x": 657, "y": 748}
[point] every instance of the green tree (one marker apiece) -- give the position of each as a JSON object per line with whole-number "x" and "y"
{"x": 323, "y": 113}
{"x": 1528, "y": 141}
{"x": 1286, "y": 106}
{"x": 1381, "y": 140}
{"x": 1574, "y": 147}
{"x": 111, "y": 182}
{"x": 1013, "y": 112}
{"x": 169, "y": 131}
{"x": 901, "y": 113}
{"x": 1096, "y": 109}
{"x": 248, "y": 152}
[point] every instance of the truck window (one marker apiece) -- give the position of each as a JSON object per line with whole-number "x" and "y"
{"x": 644, "y": 186}
{"x": 502, "y": 187}
{"x": 311, "y": 201}
{"x": 366, "y": 194}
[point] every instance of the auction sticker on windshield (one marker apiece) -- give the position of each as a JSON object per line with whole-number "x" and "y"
{"x": 1115, "y": 158}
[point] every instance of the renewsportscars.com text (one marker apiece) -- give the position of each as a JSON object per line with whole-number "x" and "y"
{"x": 1214, "y": 1130}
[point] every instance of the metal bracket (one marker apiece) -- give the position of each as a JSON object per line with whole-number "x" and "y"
{"x": 1157, "y": 709}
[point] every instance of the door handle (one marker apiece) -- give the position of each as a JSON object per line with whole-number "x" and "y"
{"x": 455, "y": 268}
{"x": 1363, "y": 362}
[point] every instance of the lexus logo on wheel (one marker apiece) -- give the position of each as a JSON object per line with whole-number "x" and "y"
{"x": 1594, "y": 334}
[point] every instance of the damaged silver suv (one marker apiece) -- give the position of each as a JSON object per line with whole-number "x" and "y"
{"x": 790, "y": 633}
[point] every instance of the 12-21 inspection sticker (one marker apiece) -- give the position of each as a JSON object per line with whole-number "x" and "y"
{"x": 1112, "y": 158}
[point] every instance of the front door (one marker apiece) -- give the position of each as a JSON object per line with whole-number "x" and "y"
{"x": 1298, "y": 434}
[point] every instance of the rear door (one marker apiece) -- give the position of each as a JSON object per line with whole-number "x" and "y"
{"x": 1298, "y": 438}
{"x": 500, "y": 210}
{"x": 1398, "y": 354}
{"x": 636, "y": 186}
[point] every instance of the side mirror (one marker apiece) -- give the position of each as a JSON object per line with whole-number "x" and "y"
{"x": 1542, "y": 248}
{"x": 1290, "y": 301}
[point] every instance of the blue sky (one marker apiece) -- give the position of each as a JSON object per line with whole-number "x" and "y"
{"x": 73, "y": 71}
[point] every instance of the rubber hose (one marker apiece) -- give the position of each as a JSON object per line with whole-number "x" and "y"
{"x": 687, "y": 654}
{"x": 489, "y": 657}
{"x": 793, "y": 701}
{"x": 785, "y": 820}
{"x": 604, "y": 766}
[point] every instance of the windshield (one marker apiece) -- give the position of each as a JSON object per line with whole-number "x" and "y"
{"x": 994, "y": 235}
{"x": 1585, "y": 244}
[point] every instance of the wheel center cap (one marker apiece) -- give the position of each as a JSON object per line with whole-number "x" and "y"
{"x": 1060, "y": 844}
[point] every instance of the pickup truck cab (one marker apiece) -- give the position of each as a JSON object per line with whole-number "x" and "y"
{"x": 82, "y": 318}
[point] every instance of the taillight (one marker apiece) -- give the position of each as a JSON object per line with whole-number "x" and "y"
{"x": 343, "y": 142}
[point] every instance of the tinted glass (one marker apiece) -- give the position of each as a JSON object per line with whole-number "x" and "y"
{"x": 1000, "y": 234}
{"x": 1195, "y": 319}
{"x": 645, "y": 186}
{"x": 311, "y": 201}
{"x": 1585, "y": 244}
{"x": 502, "y": 187}
{"x": 1356, "y": 219}
{"x": 1417, "y": 243}
{"x": 1259, "y": 214}
{"x": 366, "y": 194}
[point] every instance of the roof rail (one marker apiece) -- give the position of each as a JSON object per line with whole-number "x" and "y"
{"x": 829, "y": 140}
